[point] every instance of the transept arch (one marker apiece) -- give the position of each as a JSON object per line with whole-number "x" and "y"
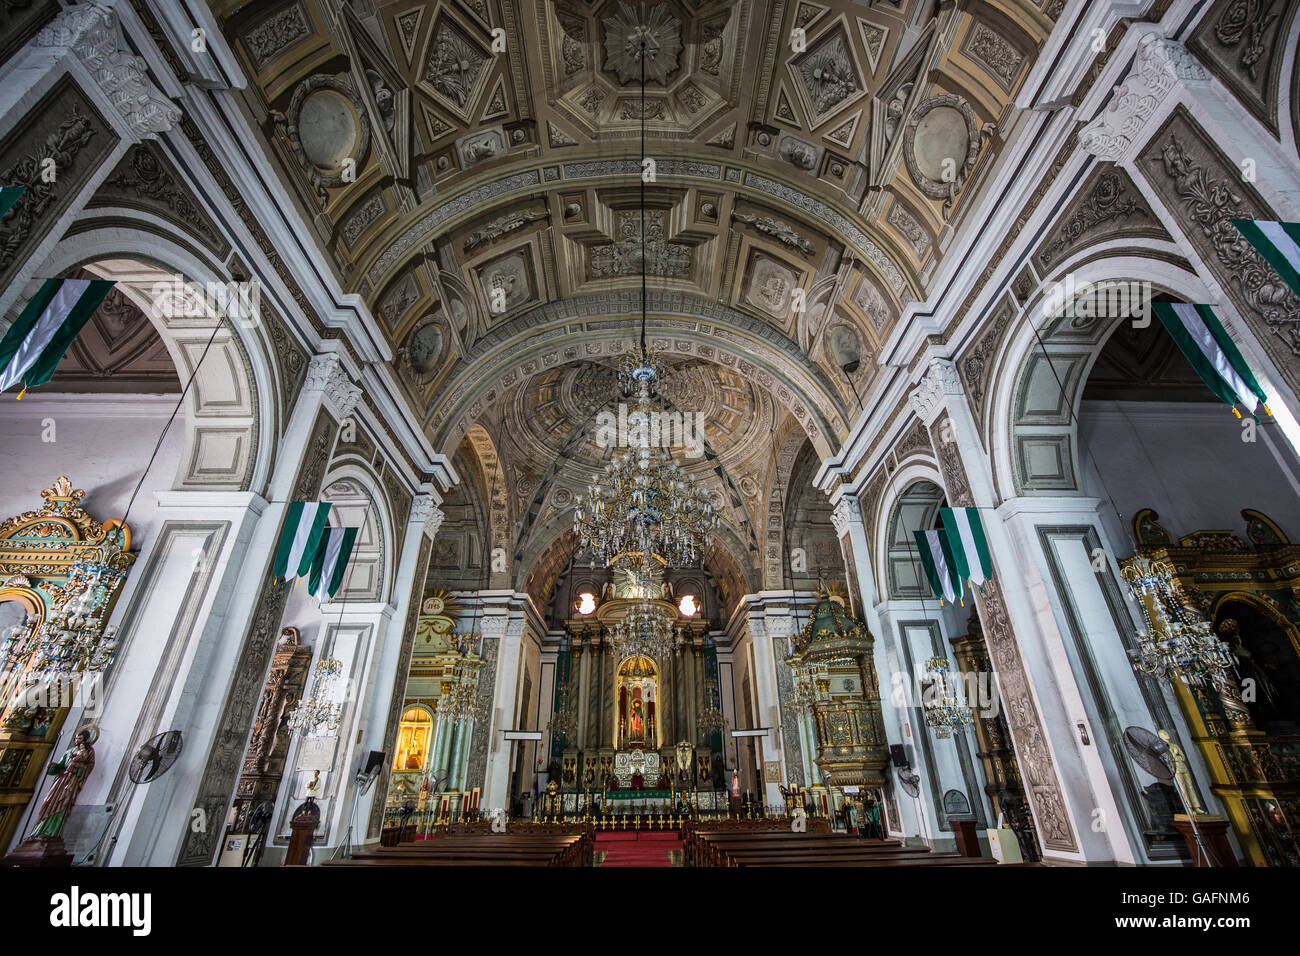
{"x": 680, "y": 326}
{"x": 359, "y": 500}
{"x": 911, "y": 503}
{"x": 1032, "y": 411}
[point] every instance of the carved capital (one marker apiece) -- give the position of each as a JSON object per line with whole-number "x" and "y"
{"x": 844, "y": 513}
{"x": 931, "y": 393}
{"x": 1160, "y": 66}
{"x": 426, "y": 513}
{"x": 325, "y": 374}
{"x": 91, "y": 32}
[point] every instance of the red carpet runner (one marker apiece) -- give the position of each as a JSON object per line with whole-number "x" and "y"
{"x": 637, "y": 849}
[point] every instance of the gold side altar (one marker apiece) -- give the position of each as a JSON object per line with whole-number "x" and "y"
{"x": 1247, "y": 724}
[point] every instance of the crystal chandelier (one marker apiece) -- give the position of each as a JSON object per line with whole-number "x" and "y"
{"x": 1176, "y": 643}
{"x": 644, "y": 511}
{"x": 319, "y": 714}
{"x": 42, "y": 662}
{"x": 565, "y": 722}
{"x": 945, "y": 711}
{"x": 645, "y": 631}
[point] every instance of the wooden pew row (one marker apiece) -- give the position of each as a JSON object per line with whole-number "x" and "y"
{"x": 805, "y": 849}
{"x": 484, "y": 850}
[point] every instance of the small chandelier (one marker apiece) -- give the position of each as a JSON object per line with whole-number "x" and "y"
{"x": 1176, "y": 643}
{"x": 319, "y": 714}
{"x": 565, "y": 722}
{"x": 712, "y": 719}
{"x": 944, "y": 710}
{"x": 41, "y": 661}
{"x": 460, "y": 702}
{"x": 645, "y": 631}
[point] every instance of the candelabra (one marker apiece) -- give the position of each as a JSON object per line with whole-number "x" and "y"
{"x": 461, "y": 701}
{"x": 645, "y": 631}
{"x": 319, "y": 714}
{"x": 711, "y": 718}
{"x": 1176, "y": 642}
{"x": 944, "y": 709}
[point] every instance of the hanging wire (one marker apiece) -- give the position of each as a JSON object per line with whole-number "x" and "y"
{"x": 163, "y": 434}
{"x": 642, "y": 178}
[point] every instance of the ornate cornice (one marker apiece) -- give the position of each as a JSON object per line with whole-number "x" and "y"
{"x": 325, "y": 374}
{"x": 91, "y": 31}
{"x": 1159, "y": 67}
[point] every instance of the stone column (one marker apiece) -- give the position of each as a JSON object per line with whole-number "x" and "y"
{"x": 395, "y": 662}
{"x": 1026, "y": 647}
{"x": 225, "y": 680}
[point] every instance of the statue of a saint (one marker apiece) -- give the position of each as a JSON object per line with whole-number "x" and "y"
{"x": 72, "y": 771}
{"x": 1182, "y": 775}
{"x": 413, "y": 756}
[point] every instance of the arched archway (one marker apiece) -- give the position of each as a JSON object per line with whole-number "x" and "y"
{"x": 238, "y": 401}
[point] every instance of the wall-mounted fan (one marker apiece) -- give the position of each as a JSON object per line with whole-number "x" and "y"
{"x": 155, "y": 758}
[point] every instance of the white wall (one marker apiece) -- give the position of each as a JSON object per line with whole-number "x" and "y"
{"x": 1189, "y": 463}
{"x": 101, "y": 443}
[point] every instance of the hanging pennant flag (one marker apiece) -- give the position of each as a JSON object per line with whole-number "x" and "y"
{"x": 940, "y": 568}
{"x": 970, "y": 549}
{"x": 8, "y": 196}
{"x": 1278, "y": 243}
{"x": 32, "y": 347}
{"x": 331, "y": 561}
{"x": 1213, "y": 354}
{"x": 304, "y": 526}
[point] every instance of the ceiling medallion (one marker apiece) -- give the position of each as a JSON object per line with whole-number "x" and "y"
{"x": 627, "y": 30}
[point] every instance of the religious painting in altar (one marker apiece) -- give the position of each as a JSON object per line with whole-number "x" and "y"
{"x": 637, "y": 719}
{"x": 413, "y": 739}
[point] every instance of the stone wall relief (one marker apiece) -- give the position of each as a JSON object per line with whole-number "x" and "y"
{"x": 423, "y": 352}
{"x": 942, "y": 141}
{"x": 328, "y": 130}
{"x": 454, "y": 65}
{"x": 827, "y": 76}
{"x": 1244, "y": 43}
{"x": 507, "y": 283}
{"x": 997, "y": 54}
{"x": 768, "y": 284}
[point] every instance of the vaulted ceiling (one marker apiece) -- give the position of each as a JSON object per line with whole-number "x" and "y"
{"x": 470, "y": 167}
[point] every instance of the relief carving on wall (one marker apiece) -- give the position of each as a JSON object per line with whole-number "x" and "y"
{"x": 1244, "y": 42}
{"x": 1204, "y": 191}
{"x": 941, "y": 143}
{"x": 1106, "y": 207}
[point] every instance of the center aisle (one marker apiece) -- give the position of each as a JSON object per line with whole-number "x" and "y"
{"x": 638, "y": 849}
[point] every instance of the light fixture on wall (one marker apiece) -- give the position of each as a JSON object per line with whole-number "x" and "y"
{"x": 944, "y": 710}
{"x": 586, "y": 603}
{"x": 687, "y": 606}
{"x": 319, "y": 714}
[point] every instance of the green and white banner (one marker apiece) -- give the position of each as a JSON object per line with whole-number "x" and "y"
{"x": 1278, "y": 243}
{"x": 940, "y": 567}
{"x": 1213, "y": 354}
{"x": 32, "y": 347}
{"x": 304, "y": 527}
{"x": 8, "y": 196}
{"x": 970, "y": 549}
{"x": 331, "y": 561}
